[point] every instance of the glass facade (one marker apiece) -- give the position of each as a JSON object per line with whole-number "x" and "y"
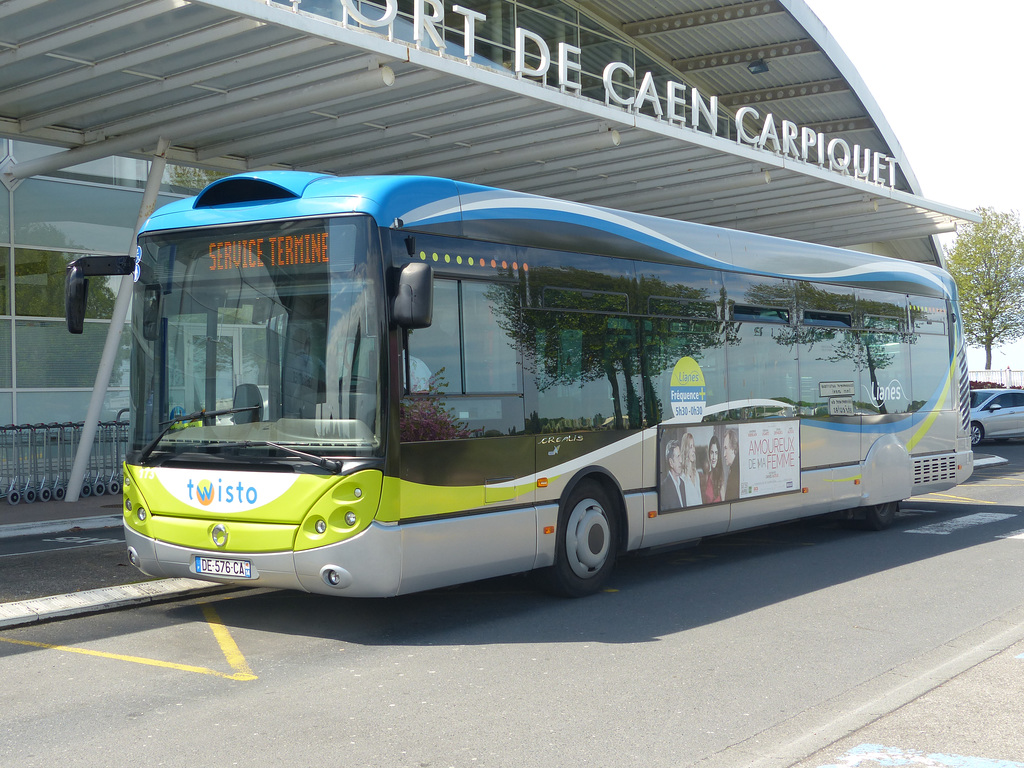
{"x": 46, "y": 374}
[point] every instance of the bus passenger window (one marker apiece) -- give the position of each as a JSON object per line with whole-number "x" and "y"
{"x": 492, "y": 360}
{"x": 436, "y": 348}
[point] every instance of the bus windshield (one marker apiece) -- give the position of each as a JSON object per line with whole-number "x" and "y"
{"x": 259, "y": 341}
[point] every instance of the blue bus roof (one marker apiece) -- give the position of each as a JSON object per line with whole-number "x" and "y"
{"x": 444, "y": 206}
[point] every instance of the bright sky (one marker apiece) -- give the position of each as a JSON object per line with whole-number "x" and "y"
{"x": 942, "y": 72}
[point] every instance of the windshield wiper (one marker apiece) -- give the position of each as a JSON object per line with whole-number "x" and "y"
{"x": 332, "y": 466}
{"x": 203, "y": 414}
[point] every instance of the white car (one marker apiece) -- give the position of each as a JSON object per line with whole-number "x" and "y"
{"x": 996, "y": 413}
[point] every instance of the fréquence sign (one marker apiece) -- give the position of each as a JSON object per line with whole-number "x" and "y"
{"x": 786, "y": 138}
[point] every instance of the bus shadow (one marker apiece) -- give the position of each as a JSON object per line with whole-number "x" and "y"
{"x": 649, "y": 595}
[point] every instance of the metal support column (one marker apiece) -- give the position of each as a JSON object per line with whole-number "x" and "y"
{"x": 124, "y": 296}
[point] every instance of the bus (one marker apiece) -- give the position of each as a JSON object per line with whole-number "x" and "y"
{"x": 379, "y": 385}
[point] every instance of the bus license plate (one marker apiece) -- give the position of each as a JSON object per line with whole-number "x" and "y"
{"x": 215, "y": 566}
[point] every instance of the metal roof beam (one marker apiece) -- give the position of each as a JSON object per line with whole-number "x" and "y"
{"x": 197, "y": 108}
{"x": 872, "y": 228}
{"x": 848, "y": 125}
{"x": 11, "y": 7}
{"x": 504, "y": 152}
{"x": 104, "y": 25}
{"x": 415, "y": 156}
{"x": 126, "y": 61}
{"x": 757, "y": 203}
{"x": 323, "y": 137}
{"x": 692, "y": 189}
{"x": 850, "y": 224}
{"x": 898, "y": 233}
{"x": 772, "y": 95}
{"x": 538, "y": 152}
{"x": 658, "y": 176}
{"x": 637, "y": 155}
{"x": 408, "y": 140}
{"x": 221, "y": 133}
{"x": 680, "y": 21}
{"x": 746, "y": 55}
{"x": 806, "y": 215}
{"x": 192, "y": 77}
{"x": 727, "y": 206}
{"x": 302, "y": 98}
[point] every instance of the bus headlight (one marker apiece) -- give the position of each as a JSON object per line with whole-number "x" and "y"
{"x": 141, "y": 514}
{"x": 320, "y": 525}
{"x": 350, "y": 519}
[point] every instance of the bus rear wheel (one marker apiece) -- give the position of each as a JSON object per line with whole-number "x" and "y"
{"x": 587, "y": 543}
{"x": 880, "y": 516}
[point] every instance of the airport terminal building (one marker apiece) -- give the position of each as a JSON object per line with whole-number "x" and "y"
{"x": 744, "y": 115}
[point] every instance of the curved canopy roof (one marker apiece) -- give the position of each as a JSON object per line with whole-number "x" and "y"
{"x": 253, "y": 84}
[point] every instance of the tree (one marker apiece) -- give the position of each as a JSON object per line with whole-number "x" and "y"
{"x": 987, "y": 262}
{"x": 192, "y": 180}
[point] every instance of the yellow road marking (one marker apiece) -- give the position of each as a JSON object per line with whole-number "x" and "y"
{"x": 956, "y": 498}
{"x": 224, "y": 640}
{"x": 227, "y": 645}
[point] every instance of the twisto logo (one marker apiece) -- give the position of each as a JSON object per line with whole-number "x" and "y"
{"x": 224, "y": 491}
{"x": 204, "y": 492}
{"x": 229, "y": 493}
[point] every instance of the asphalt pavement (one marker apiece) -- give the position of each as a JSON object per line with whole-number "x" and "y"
{"x": 897, "y": 725}
{"x": 97, "y": 514}
{"x": 92, "y": 517}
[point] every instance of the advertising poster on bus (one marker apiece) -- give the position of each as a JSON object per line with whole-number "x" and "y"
{"x": 701, "y": 465}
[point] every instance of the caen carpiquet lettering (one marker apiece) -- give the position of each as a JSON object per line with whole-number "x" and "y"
{"x": 677, "y": 103}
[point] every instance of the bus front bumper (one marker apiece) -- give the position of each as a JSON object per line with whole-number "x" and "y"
{"x": 367, "y": 565}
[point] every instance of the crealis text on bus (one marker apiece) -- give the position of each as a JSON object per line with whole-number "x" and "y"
{"x": 624, "y": 87}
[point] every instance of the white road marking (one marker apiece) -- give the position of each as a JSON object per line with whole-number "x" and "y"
{"x": 959, "y": 523}
{"x": 876, "y": 755}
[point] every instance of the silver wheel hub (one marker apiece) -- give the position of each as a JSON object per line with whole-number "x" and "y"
{"x": 587, "y": 538}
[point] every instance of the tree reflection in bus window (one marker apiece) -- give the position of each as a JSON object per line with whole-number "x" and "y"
{"x": 435, "y": 362}
{"x": 586, "y": 367}
{"x": 682, "y": 305}
{"x": 466, "y": 353}
{"x": 763, "y": 376}
{"x": 883, "y": 353}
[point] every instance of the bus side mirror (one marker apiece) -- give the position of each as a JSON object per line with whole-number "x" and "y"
{"x": 414, "y": 297}
{"x": 76, "y": 283}
{"x": 76, "y": 288}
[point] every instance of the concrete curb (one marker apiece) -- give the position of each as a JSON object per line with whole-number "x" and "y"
{"x": 98, "y": 600}
{"x": 990, "y": 461}
{"x": 60, "y": 526}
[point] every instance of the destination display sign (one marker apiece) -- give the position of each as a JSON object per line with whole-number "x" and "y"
{"x": 309, "y": 248}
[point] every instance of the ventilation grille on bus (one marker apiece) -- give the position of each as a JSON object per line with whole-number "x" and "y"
{"x": 934, "y": 468}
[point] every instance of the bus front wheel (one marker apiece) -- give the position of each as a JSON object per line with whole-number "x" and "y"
{"x": 587, "y": 542}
